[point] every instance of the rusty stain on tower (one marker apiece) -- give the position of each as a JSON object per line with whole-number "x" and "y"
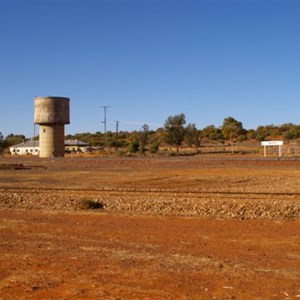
{"x": 51, "y": 113}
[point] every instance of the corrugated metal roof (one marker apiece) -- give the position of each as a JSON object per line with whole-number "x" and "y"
{"x": 31, "y": 144}
{"x": 75, "y": 143}
{"x": 27, "y": 144}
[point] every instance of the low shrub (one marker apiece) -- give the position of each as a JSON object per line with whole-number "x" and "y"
{"x": 90, "y": 204}
{"x": 154, "y": 148}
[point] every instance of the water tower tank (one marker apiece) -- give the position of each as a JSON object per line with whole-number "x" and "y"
{"x": 51, "y": 113}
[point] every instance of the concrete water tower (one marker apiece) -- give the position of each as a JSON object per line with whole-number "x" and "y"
{"x": 51, "y": 113}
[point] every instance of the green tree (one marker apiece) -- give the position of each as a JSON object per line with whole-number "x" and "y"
{"x": 191, "y": 135}
{"x": 251, "y": 134}
{"x": 143, "y": 138}
{"x": 274, "y": 131}
{"x": 233, "y": 130}
{"x": 154, "y": 140}
{"x": 261, "y": 133}
{"x": 211, "y": 132}
{"x": 154, "y": 147}
{"x": 2, "y": 143}
{"x": 133, "y": 147}
{"x": 290, "y": 131}
{"x": 174, "y": 130}
{"x": 13, "y": 139}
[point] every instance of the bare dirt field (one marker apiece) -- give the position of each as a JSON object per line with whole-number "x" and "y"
{"x": 201, "y": 227}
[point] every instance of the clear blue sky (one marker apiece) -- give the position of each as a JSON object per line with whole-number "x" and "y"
{"x": 149, "y": 60}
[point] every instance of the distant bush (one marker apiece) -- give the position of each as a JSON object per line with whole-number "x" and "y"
{"x": 154, "y": 148}
{"x": 133, "y": 147}
{"x": 120, "y": 152}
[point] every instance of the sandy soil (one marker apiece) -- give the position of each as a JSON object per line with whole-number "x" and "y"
{"x": 54, "y": 251}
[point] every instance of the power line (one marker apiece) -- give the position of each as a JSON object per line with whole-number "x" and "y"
{"x": 140, "y": 123}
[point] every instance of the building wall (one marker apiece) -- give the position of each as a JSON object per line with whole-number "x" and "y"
{"x": 24, "y": 150}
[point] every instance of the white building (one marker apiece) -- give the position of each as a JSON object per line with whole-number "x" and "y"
{"x": 76, "y": 146}
{"x": 26, "y": 147}
{"x": 33, "y": 147}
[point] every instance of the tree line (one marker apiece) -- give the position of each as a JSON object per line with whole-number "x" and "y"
{"x": 175, "y": 132}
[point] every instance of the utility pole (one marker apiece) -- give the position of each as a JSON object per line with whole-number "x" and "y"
{"x": 104, "y": 107}
{"x": 117, "y": 134}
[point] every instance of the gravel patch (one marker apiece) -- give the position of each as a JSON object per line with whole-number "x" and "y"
{"x": 206, "y": 205}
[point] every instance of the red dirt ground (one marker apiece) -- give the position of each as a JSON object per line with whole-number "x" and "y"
{"x": 102, "y": 254}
